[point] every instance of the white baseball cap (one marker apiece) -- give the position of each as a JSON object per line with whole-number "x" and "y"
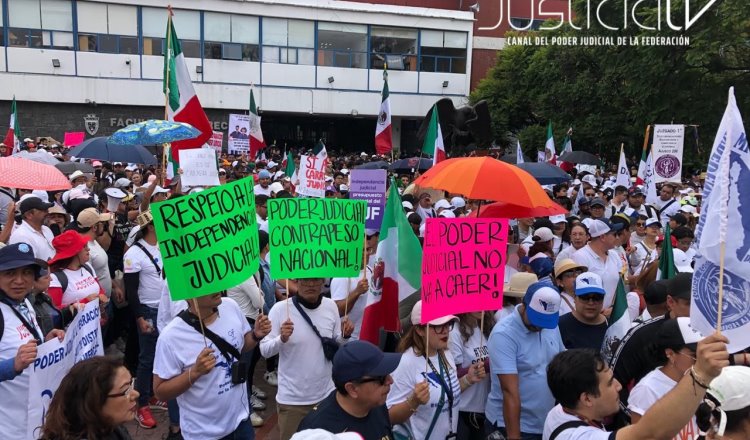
{"x": 681, "y": 261}
{"x": 442, "y": 203}
{"x": 558, "y": 218}
{"x": 543, "y": 235}
{"x": 276, "y": 187}
{"x": 651, "y": 221}
{"x": 542, "y": 305}
{"x": 416, "y": 316}
{"x": 407, "y": 204}
{"x": 458, "y": 202}
{"x": 447, "y": 213}
{"x": 589, "y": 282}
{"x": 599, "y": 227}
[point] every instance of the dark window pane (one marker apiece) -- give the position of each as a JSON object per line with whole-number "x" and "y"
{"x": 250, "y": 52}
{"x": 129, "y": 45}
{"x": 35, "y": 38}
{"x": 443, "y": 65}
{"x": 458, "y": 65}
{"x": 428, "y": 64}
{"x": 211, "y": 51}
{"x": 232, "y": 51}
{"x": 18, "y": 37}
{"x": 191, "y": 48}
{"x": 153, "y": 46}
{"x": 107, "y": 43}
{"x": 86, "y": 43}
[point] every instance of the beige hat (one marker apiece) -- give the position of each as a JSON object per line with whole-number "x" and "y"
{"x": 566, "y": 264}
{"x": 144, "y": 218}
{"x": 90, "y": 216}
{"x": 518, "y": 284}
{"x": 57, "y": 209}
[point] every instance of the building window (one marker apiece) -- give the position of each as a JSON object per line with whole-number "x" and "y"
{"x": 187, "y": 24}
{"x": 342, "y": 45}
{"x": 395, "y": 46}
{"x": 525, "y": 24}
{"x": 43, "y": 24}
{"x": 443, "y": 51}
{"x": 288, "y": 41}
{"x": 107, "y": 28}
{"x": 230, "y": 37}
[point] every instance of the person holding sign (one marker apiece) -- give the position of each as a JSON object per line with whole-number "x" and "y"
{"x": 426, "y": 391}
{"x": 306, "y": 331}
{"x": 205, "y": 375}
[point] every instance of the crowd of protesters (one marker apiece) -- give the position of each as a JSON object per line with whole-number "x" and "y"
{"x": 531, "y": 370}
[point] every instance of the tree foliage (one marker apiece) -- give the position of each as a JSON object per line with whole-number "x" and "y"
{"x": 609, "y": 94}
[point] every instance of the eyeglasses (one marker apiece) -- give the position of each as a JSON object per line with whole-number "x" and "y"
{"x": 448, "y": 326}
{"x": 379, "y": 379}
{"x": 125, "y": 393}
{"x": 688, "y": 356}
{"x": 591, "y": 298}
{"x": 572, "y": 273}
{"x": 639, "y": 224}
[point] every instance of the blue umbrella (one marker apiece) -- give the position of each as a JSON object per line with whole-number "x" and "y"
{"x": 545, "y": 173}
{"x": 100, "y": 148}
{"x": 154, "y": 132}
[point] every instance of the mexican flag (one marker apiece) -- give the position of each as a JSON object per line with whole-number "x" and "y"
{"x": 550, "y": 153}
{"x": 383, "y": 135}
{"x": 256, "y": 134}
{"x": 433, "y": 139}
{"x": 183, "y": 104}
{"x": 397, "y": 271}
{"x": 667, "y": 269}
{"x": 288, "y": 164}
{"x": 641, "y": 177}
{"x": 567, "y": 148}
{"x": 12, "y": 139}
{"x": 621, "y": 323}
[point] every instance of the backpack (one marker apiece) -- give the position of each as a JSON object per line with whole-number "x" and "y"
{"x": 63, "y": 279}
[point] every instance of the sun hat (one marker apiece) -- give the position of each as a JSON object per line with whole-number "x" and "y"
{"x": 565, "y": 264}
{"x": 542, "y": 305}
{"x": 76, "y": 174}
{"x": 518, "y": 284}
{"x": 588, "y": 283}
{"x": 416, "y": 316}
{"x": 90, "y": 216}
{"x": 57, "y": 209}
{"x": 68, "y": 244}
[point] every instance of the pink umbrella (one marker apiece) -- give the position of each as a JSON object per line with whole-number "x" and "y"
{"x": 26, "y": 174}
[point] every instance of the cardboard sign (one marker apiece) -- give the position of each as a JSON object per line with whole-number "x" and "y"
{"x": 73, "y": 138}
{"x": 463, "y": 266}
{"x": 239, "y": 134}
{"x": 216, "y": 141}
{"x": 312, "y": 176}
{"x": 369, "y": 185}
{"x": 667, "y": 151}
{"x": 199, "y": 167}
{"x": 208, "y": 240}
{"x": 313, "y": 238}
{"x": 83, "y": 340}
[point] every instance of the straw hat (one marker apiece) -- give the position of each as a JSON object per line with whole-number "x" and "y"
{"x": 518, "y": 284}
{"x": 566, "y": 264}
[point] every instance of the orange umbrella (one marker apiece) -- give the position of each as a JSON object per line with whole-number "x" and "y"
{"x": 16, "y": 172}
{"x": 507, "y": 210}
{"x": 486, "y": 178}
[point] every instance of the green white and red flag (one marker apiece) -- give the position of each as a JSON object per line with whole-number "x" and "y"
{"x": 383, "y": 131}
{"x": 12, "y": 138}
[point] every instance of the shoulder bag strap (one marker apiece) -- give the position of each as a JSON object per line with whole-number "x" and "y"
{"x": 565, "y": 426}
{"x": 306, "y": 317}
{"x": 31, "y": 328}
{"x": 150, "y": 257}
{"x": 226, "y": 349}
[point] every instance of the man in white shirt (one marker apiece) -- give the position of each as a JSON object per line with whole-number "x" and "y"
{"x": 304, "y": 371}
{"x": 261, "y": 211}
{"x": 667, "y": 203}
{"x": 32, "y": 229}
{"x": 600, "y": 257}
{"x": 264, "y": 182}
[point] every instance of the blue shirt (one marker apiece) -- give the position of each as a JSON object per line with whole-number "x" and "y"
{"x": 516, "y": 350}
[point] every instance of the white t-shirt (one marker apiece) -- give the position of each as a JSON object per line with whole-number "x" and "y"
{"x": 99, "y": 260}
{"x": 150, "y": 281}
{"x": 410, "y": 371}
{"x": 41, "y": 242}
{"x": 564, "y": 307}
{"x": 262, "y": 224}
{"x": 212, "y": 407}
{"x": 556, "y": 417}
{"x": 642, "y": 256}
{"x": 609, "y": 270}
{"x": 304, "y": 372}
{"x": 474, "y": 398}
{"x": 15, "y": 392}
{"x": 168, "y": 309}
{"x": 260, "y": 190}
{"x": 565, "y": 253}
{"x": 649, "y": 390}
{"x": 248, "y": 296}
{"x": 81, "y": 283}
{"x": 340, "y": 289}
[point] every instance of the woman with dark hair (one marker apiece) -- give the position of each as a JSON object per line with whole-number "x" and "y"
{"x": 468, "y": 345}
{"x": 725, "y": 412}
{"x": 94, "y": 400}
{"x": 73, "y": 278}
{"x": 579, "y": 236}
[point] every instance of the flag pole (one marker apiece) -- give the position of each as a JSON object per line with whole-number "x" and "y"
{"x": 286, "y": 282}
{"x": 200, "y": 320}
{"x": 165, "y": 147}
{"x": 427, "y": 348}
{"x": 645, "y": 138}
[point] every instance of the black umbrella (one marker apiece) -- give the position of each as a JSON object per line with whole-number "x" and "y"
{"x": 411, "y": 164}
{"x": 511, "y": 158}
{"x": 580, "y": 157}
{"x": 99, "y": 148}
{"x": 377, "y": 165}
{"x": 545, "y": 173}
{"x": 71, "y": 167}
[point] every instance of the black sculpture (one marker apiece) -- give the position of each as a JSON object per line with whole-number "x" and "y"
{"x": 464, "y": 129}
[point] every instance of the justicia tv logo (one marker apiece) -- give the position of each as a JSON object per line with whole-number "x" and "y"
{"x": 596, "y": 14}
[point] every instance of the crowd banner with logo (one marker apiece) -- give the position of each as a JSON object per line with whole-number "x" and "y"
{"x": 73, "y": 138}
{"x": 198, "y": 167}
{"x": 314, "y": 237}
{"x": 463, "y": 266}
{"x": 312, "y": 176}
{"x": 209, "y": 239}
{"x": 239, "y": 134}
{"x": 667, "y": 152}
{"x": 216, "y": 141}
{"x": 83, "y": 340}
{"x": 369, "y": 185}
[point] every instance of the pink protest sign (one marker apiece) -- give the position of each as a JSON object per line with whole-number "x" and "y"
{"x": 463, "y": 266}
{"x": 73, "y": 138}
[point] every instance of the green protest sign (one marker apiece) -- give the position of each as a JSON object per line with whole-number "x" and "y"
{"x": 312, "y": 237}
{"x": 208, "y": 240}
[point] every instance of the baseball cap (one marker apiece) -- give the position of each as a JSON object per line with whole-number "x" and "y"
{"x": 159, "y": 190}
{"x": 680, "y": 286}
{"x": 558, "y": 219}
{"x": 584, "y": 201}
{"x": 458, "y": 202}
{"x": 34, "y": 202}
{"x": 343, "y": 188}
{"x": 370, "y": 232}
{"x": 407, "y": 205}
{"x": 18, "y": 255}
{"x": 590, "y": 179}
{"x": 90, "y": 216}
{"x": 732, "y": 388}
{"x": 518, "y": 284}
{"x": 541, "y": 264}
{"x": 635, "y": 191}
{"x": 276, "y": 187}
{"x": 678, "y": 333}
{"x": 599, "y": 227}
{"x": 96, "y": 163}
{"x": 543, "y": 235}
{"x": 264, "y": 174}
{"x": 320, "y": 434}
{"x": 689, "y": 209}
{"x": 122, "y": 183}
{"x": 442, "y": 203}
{"x": 681, "y": 261}
{"x": 598, "y": 202}
{"x": 588, "y": 283}
{"x": 359, "y": 359}
{"x": 416, "y": 316}
{"x": 656, "y": 292}
{"x": 651, "y": 221}
{"x": 272, "y": 164}
{"x": 57, "y": 209}
{"x": 542, "y": 305}
{"x": 345, "y": 171}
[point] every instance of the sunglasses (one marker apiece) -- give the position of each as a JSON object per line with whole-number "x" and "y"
{"x": 591, "y": 298}
{"x": 379, "y": 379}
{"x": 640, "y": 225}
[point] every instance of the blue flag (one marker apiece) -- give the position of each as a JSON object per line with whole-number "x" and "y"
{"x": 725, "y": 206}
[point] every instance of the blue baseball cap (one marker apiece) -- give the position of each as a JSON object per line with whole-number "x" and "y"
{"x": 264, "y": 174}
{"x": 359, "y": 359}
{"x": 588, "y": 283}
{"x": 18, "y": 255}
{"x": 542, "y": 305}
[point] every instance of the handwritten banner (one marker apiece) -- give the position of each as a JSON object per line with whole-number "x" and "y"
{"x": 667, "y": 151}
{"x": 199, "y": 167}
{"x": 312, "y": 176}
{"x": 313, "y": 238}
{"x": 208, "y": 240}
{"x": 83, "y": 340}
{"x": 369, "y": 185}
{"x": 463, "y": 266}
{"x": 216, "y": 141}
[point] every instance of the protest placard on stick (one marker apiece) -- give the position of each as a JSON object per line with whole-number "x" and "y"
{"x": 199, "y": 167}
{"x": 208, "y": 240}
{"x": 314, "y": 238}
{"x": 463, "y": 266}
{"x": 369, "y": 185}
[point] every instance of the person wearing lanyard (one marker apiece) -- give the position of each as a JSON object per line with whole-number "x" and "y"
{"x": 426, "y": 387}
{"x": 20, "y": 334}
